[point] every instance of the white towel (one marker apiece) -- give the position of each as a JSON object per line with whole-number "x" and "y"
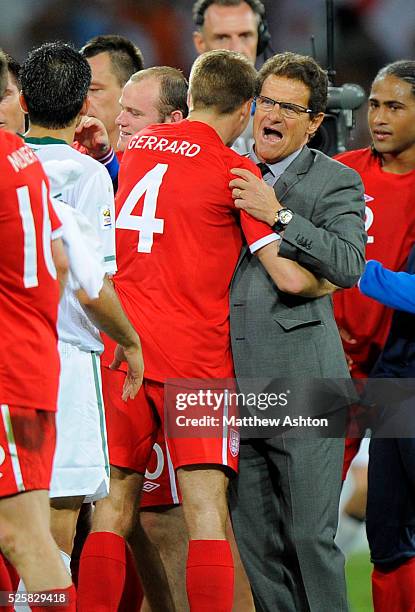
{"x": 82, "y": 243}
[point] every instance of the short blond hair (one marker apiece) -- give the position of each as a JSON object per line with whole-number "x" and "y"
{"x": 173, "y": 89}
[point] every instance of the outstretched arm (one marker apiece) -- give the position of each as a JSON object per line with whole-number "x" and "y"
{"x": 332, "y": 245}
{"x": 394, "y": 289}
{"x": 107, "y": 314}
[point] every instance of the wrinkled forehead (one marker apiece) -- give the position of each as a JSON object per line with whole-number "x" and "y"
{"x": 285, "y": 89}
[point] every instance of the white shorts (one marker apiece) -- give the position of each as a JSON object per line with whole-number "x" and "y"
{"x": 81, "y": 464}
{"x": 362, "y": 457}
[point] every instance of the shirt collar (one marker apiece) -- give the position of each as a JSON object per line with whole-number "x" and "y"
{"x": 275, "y": 169}
{"x": 46, "y": 140}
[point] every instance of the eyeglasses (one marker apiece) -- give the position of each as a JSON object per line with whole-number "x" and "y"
{"x": 287, "y": 109}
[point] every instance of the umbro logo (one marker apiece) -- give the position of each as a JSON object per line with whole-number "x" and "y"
{"x": 148, "y": 486}
{"x": 368, "y": 198}
{"x": 234, "y": 438}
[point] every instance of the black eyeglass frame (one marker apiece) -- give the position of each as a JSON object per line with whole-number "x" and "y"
{"x": 296, "y": 108}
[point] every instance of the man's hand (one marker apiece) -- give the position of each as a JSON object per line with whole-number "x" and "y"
{"x": 91, "y": 134}
{"x": 134, "y": 379}
{"x": 107, "y": 314}
{"x": 347, "y": 338}
{"x": 253, "y": 195}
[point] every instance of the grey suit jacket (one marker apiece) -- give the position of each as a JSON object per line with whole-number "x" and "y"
{"x": 275, "y": 334}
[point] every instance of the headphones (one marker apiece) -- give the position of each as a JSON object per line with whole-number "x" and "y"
{"x": 264, "y": 36}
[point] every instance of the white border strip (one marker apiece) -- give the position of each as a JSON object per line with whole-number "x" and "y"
{"x": 258, "y": 244}
{"x": 7, "y": 422}
{"x": 225, "y": 427}
{"x": 172, "y": 475}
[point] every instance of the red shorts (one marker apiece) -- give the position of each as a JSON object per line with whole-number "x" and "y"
{"x": 27, "y": 446}
{"x": 160, "y": 487}
{"x": 133, "y": 428}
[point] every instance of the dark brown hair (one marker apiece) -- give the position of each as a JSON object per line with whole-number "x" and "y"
{"x": 126, "y": 58}
{"x": 299, "y": 68}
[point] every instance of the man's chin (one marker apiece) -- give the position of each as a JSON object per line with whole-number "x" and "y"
{"x": 267, "y": 155}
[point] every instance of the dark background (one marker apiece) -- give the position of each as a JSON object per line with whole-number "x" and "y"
{"x": 368, "y": 33}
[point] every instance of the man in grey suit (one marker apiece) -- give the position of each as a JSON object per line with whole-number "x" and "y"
{"x": 284, "y": 504}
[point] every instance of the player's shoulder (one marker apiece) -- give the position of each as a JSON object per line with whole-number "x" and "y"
{"x": 88, "y": 163}
{"x": 9, "y": 141}
{"x": 235, "y": 160}
{"x": 357, "y": 158}
{"x": 94, "y": 177}
{"x": 15, "y": 158}
{"x": 48, "y": 149}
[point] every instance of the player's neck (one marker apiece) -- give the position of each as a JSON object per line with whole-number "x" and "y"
{"x": 222, "y": 124}
{"x": 399, "y": 163}
{"x": 38, "y": 131}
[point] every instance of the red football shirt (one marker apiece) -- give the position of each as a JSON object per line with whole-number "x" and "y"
{"x": 390, "y": 224}
{"x": 178, "y": 240}
{"x": 29, "y": 362}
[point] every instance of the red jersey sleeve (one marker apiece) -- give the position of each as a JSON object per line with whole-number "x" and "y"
{"x": 55, "y": 222}
{"x": 257, "y": 233}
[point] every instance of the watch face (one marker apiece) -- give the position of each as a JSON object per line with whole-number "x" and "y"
{"x": 285, "y": 216}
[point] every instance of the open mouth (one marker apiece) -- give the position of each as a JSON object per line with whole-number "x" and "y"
{"x": 271, "y": 134}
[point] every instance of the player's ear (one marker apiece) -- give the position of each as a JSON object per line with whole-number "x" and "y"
{"x": 83, "y": 112}
{"x": 246, "y": 110}
{"x": 199, "y": 42}
{"x": 175, "y": 116}
{"x": 85, "y": 107}
{"x": 22, "y": 102}
{"x": 189, "y": 101}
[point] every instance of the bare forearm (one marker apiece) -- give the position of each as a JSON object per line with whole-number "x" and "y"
{"x": 107, "y": 314}
{"x": 290, "y": 277}
{"x": 60, "y": 261}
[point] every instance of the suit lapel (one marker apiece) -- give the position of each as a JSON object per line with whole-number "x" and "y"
{"x": 293, "y": 174}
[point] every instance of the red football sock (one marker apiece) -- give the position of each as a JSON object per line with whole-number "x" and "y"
{"x": 68, "y": 606}
{"x": 101, "y": 573}
{"x": 209, "y": 576}
{"x": 394, "y": 590}
{"x": 133, "y": 595}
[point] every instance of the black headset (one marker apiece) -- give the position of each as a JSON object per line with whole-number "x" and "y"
{"x": 264, "y": 36}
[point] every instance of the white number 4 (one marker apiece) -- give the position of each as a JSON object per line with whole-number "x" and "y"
{"x": 147, "y": 224}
